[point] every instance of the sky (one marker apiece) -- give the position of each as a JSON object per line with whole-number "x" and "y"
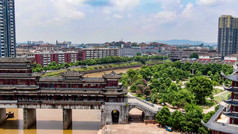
{"x": 99, "y": 21}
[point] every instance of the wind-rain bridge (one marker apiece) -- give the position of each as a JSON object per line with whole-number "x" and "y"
{"x": 21, "y": 88}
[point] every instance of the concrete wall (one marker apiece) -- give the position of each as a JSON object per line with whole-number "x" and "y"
{"x": 29, "y": 117}
{"x": 67, "y": 118}
{"x": 2, "y": 115}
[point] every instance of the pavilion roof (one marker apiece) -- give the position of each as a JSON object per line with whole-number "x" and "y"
{"x": 14, "y": 60}
{"x": 112, "y": 75}
{"x": 73, "y": 74}
{"x": 233, "y": 77}
{"x": 232, "y": 102}
{"x": 221, "y": 127}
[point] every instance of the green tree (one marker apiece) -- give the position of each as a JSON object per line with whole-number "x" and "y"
{"x": 133, "y": 88}
{"x": 208, "y": 116}
{"x": 201, "y": 87}
{"x": 176, "y": 118}
{"x": 163, "y": 116}
{"x": 194, "y": 55}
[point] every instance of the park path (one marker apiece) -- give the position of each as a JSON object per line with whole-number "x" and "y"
{"x": 220, "y": 93}
{"x": 213, "y": 107}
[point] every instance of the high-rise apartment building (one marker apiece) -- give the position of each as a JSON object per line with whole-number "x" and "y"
{"x": 227, "y": 35}
{"x": 7, "y": 29}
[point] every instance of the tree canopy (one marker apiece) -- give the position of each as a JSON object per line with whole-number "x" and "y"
{"x": 194, "y": 55}
{"x": 201, "y": 87}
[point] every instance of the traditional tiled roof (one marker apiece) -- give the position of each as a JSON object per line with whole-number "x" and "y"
{"x": 112, "y": 75}
{"x": 114, "y": 92}
{"x": 18, "y": 75}
{"x": 232, "y": 102}
{"x": 230, "y": 89}
{"x": 19, "y": 87}
{"x": 221, "y": 127}
{"x": 73, "y": 74}
{"x": 230, "y": 77}
{"x": 51, "y": 79}
{"x": 14, "y": 60}
{"x": 95, "y": 80}
{"x": 232, "y": 115}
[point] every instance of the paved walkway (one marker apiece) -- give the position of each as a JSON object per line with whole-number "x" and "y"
{"x": 220, "y": 93}
{"x": 135, "y": 128}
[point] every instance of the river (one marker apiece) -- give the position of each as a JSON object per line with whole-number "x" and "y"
{"x": 50, "y": 121}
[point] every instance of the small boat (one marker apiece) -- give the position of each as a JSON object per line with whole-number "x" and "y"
{"x": 10, "y": 115}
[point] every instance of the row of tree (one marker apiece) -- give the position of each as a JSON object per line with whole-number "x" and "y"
{"x": 189, "y": 122}
{"x": 97, "y": 61}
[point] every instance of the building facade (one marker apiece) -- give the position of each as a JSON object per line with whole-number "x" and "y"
{"x": 129, "y": 52}
{"x": 209, "y": 56}
{"x": 93, "y": 53}
{"x": 227, "y": 35}
{"x": 7, "y": 28}
{"x": 45, "y": 58}
{"x": 231, "y": 58}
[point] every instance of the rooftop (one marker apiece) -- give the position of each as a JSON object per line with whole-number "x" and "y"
{"x": 218, "y": 124}
{"x": 232, "y": 55}
{"x": 14, "y": 60}
{"x": 112, "y": 75}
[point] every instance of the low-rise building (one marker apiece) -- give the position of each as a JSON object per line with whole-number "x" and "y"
{"x": 209, "y": 56}
{"x": 185, "y": 54}
{"x": 46, "y": 47}
{"x": 45, "y": 58}
{"x": 129, "y": 52}
{"x": 92, "y": 53}
{"x": 231, "y": 58}
{"x": 64, "y": 44}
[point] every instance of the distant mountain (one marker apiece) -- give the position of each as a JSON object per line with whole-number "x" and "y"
{"x": 182, "y": 42}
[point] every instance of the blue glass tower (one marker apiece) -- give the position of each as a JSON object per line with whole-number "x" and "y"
{"x": 7, "y": 29}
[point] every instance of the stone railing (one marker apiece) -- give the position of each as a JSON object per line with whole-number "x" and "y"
{"x": 146, "y": 102}
{"x": 143, "y": 107}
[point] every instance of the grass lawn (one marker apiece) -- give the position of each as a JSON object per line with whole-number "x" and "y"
{"x": 141, "y": 97}
{"x": 209, "y": 103}
{"x": 224, "y": 95}
{"x": 217, "y": 99}
{"x": 217, "y": 91}
{"x": 53, "y": 74}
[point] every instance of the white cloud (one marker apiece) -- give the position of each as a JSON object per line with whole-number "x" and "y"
{"x": 171, "y": 5}
{"x": 187, "y": 12}
{"x": 68, "y": 8}
{"x": 122, "y": 5}
{"x": 118, "y": 16}
{"x": 207, "y": 2}
{"x": 75, "y": 20}
{"x": 118, "y": 7}
{"x": 166, "y": 16}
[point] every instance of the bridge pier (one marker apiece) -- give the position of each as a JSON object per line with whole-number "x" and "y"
{"x": 2, "y": 115}
{"x": 67, "y": 118}
{"x": 29, "y": 117}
